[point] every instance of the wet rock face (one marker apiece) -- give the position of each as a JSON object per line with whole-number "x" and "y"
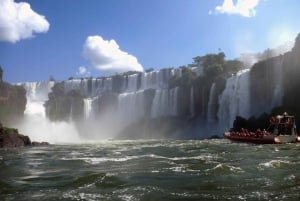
{"x": 13, "y": 139}
{"x": 40, "y": 143}
{"x": 10, "y": 138}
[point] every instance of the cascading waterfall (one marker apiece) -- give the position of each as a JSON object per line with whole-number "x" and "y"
{"x": 173, "y": 102}
{"x": 211, "y": 109}
{"x": 87, "y": 107}
{"x": 36, "y": 125}
{"x": 130, "y": 107}
{"x": 132, "y": 83}
{"x": 235, "y": 99}
{"x": 164, "y": 103}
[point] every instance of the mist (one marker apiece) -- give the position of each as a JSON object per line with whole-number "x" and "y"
{"x": 39, "y": 128}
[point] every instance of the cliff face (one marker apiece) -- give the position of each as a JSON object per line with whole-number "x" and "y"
{"x": 64, "y": 106}
{"x": 291, "y": 81}
{"x": 266, "y": 85}
{"x": 275, "y": 82}
{"x": 12, "y": 102}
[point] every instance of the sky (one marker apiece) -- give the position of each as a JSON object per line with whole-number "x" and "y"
{"x": 40, "y": 39}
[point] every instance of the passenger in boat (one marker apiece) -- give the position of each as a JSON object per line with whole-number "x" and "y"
{"x": 258, "y": 133}
{"x": 285, "y": 118}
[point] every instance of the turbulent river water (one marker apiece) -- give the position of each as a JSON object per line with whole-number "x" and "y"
{"x": 151, "y": 170}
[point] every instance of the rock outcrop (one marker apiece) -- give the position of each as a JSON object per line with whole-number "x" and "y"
{"x": 10, "y": 138}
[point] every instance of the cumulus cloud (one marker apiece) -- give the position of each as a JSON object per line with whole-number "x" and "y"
{"x": 245, "y": 8}
{"x": 18, "y": 21}
{"x": 106, "y": 55}
{"x": 83, "y": 71}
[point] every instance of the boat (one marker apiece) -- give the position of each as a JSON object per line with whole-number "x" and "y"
{"x": 282, "y": 129}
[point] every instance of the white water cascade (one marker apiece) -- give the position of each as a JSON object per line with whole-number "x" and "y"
{"x": 164, "y": 103}
{"x": 130, "y": 107}
{"x": 87, "y": 104}
{"x": 235, "y": 99}
{"x": 211, "y": 109}
{"x": 35, "y": 123}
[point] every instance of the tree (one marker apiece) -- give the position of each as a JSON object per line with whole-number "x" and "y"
{"x": 213, "y": 64}
{"x": 233, "y": 66}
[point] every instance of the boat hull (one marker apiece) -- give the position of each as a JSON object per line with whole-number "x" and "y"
{"x": 265, "y": 139}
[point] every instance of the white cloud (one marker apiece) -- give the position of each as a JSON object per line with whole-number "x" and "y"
{"x": 83, "y": 71}
{"x": 106, "y": 55}
{"x": 245, "y": 8}
{"x": 18, "y": 21}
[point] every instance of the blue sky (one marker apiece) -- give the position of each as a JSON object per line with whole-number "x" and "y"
{"x": 64, "y": 38}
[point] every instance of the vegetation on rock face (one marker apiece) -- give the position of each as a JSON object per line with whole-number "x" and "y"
{"x": 12, "y": 101}
{"x": 215, "y": 70}
{"x": 62, "y": 104}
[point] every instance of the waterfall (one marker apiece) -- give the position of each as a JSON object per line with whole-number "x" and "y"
{"x": 87, "y": 107}
{"x": 132, "y": 83}
{"x": 89, "y": 87}
{"x": 130, "y": 107}
{"x": 173, "y": 107}
{"x": 36, "y": 125}
{"x": 212, "y": 101}
{"x": 235, "y": 99}
{"x": 159, "y": 103}
{"x": 164, "y": 103}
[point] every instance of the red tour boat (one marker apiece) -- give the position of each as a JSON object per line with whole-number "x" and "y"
{"x": 282, "y": 129}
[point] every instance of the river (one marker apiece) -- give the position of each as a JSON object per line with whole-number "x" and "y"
{"x": 151, "y": 170}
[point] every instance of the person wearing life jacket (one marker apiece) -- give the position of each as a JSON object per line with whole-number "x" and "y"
{"x": 287, "y": 122}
